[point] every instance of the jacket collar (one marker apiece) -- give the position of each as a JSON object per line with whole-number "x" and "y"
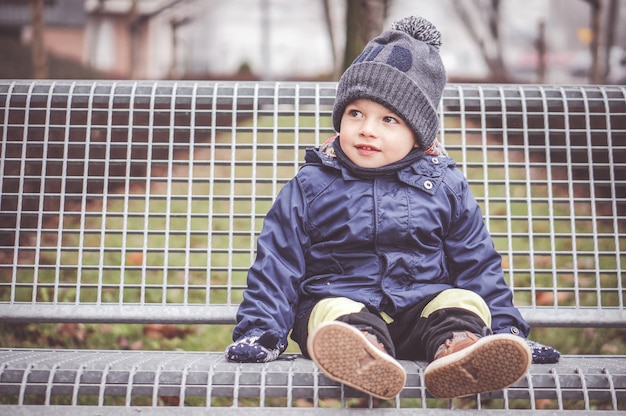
{"x": 426, "y": 173}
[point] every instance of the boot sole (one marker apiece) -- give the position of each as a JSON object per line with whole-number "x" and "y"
{"x": 344, "y": 354}
{"x": 493, "y": 363}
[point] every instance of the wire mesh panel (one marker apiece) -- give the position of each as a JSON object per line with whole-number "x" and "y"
{"x": 144, "y": 194}
{"x": 192, "y": 379}
{"x": 141, "y": 201}
{"x": 547, "y": 165}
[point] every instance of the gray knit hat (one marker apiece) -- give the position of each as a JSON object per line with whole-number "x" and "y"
{"x": 402, "y": 70}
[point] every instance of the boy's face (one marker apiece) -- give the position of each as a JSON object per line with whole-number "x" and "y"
{"x": 373, "y": 136}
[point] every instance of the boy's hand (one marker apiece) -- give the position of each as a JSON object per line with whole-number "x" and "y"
{"x": 542, "y": 354}
{"x": 255, "y": 349}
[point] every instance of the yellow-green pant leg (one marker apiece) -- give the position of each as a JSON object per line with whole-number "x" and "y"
{"x": 353, "y": 313}
{"x": 459, "y": 298}
{"x": 332, "y": 308}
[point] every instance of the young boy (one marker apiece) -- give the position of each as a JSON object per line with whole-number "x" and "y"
{"x": 377, "y": 250}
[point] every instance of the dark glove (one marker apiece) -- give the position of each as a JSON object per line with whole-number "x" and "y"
{"x": 255, "y": 348}
{"x": 542, "y": 354}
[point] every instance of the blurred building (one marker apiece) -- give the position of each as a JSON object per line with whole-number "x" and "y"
{"x": 65, "y": 25}
{"x": 132, "y": 38}
{"x": 286, "y": 39}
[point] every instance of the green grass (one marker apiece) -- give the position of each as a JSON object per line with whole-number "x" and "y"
{"x": 172, "y": 267}
{"x": 144, "y": 264}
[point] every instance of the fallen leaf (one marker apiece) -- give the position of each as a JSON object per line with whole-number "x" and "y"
{"x": 543, "y": 403}
{"x": 134, "y": 259}
{"x": 170, "y": 400}
{"x": 157, "y": 331}
{"x": 546, "y": 298}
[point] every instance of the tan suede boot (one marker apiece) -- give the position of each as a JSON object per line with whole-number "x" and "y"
{"x": 356, "y": 359}
{"x": 467, "y": 364}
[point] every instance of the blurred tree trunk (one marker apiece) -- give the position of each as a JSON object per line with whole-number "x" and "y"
{"x": 596, "y": 12}
{"x": 331, "y": 35}
{"x": 133, "y": 15}
{"x": 603, "y": 23}
{"x": 364, "y": 21}
{"x": 354, "y": 45}
{"x": 541, "y": 53}
{"x": 611, "y": 27}
{"x": 39, "y": 58}
{"x": 373, "y": 17}
{"x": 497, "y": 64}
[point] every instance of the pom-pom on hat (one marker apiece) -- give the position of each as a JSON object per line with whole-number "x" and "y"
{"x": 402, "y": 70}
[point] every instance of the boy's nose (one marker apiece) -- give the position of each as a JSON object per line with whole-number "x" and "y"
{"x": 368, "y": 128}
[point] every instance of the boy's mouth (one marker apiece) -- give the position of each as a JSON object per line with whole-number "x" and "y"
{"x": 367, "y": 148}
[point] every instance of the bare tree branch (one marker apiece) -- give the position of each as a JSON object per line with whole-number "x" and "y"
{"x": 490, "y": 48}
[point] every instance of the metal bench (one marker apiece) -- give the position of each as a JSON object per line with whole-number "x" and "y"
{"x": 139, "y": 202}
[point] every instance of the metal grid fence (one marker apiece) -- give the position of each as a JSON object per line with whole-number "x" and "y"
{"x": 141, "y": 202}
{"x": 118, "y": 198}
{"x": 200, "y": 380}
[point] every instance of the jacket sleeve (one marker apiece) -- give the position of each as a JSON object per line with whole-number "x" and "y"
{"x": 271, "y": 296}
{"x": 475, "y": 264}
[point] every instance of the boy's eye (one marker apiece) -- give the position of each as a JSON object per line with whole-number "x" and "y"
{"x": 354, "y": 113}
{"x": 389, "y": 119}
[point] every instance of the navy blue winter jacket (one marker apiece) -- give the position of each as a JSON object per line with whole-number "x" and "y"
{"x": 387, "y": 242}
